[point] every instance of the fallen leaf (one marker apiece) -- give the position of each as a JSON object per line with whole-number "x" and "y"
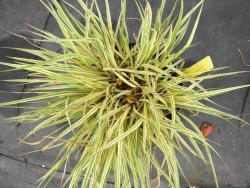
{"x": 207, "y": 128}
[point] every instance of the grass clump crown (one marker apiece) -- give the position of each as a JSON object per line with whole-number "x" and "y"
{"x": 109, "y": 105}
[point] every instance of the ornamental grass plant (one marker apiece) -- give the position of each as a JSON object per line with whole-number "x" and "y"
{"x": 109, "y": 105}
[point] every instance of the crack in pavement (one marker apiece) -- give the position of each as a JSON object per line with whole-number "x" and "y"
{"x": 28, "y": 163}
{"x": 41, "y": 166}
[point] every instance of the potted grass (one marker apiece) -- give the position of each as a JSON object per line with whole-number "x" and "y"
{"x": 109, "y": 105}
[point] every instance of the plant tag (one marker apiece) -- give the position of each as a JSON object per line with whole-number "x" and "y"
{"x": 200, "y": 67}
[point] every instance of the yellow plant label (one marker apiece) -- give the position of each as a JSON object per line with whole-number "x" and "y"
{"x": 200, "y": 67}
